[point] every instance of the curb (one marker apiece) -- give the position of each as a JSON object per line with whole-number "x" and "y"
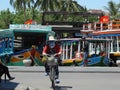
{"x": 67, "y": 69}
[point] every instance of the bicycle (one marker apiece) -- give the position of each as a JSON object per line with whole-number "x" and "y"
{"x": 52, "y": 63}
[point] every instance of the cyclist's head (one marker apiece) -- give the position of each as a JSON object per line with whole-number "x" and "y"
{"x": 51, "y": 41}
{"x": 52, "y": 44}
{"x": 51, "y": 38}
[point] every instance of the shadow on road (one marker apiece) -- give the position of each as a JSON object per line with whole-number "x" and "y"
{"x": 7, "y": 85}
{"x": 62, "y": 87}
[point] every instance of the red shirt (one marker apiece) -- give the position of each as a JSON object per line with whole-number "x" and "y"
{"x": 56, "y": 49}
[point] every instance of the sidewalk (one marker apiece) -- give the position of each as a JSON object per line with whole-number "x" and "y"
{"x": 67, "y": 69}
{"x": 40, "y": 69}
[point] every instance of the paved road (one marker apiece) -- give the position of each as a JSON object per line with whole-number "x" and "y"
{"x": 72, "y": 78}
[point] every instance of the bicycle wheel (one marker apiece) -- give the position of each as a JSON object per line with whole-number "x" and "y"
{"x": 52, "y": 76}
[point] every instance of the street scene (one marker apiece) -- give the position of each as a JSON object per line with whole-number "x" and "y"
{"x": 72, "y": 78}
{"x": 59, "y": 45}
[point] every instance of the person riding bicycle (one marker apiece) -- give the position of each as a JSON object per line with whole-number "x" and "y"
{"x": 52, "y": 47}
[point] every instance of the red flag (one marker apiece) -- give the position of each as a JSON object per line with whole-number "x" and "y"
{"x": 104, "y": 19}
{"x": 29, "y": 21}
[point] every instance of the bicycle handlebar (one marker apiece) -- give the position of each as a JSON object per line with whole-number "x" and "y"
{"x": 49, "y": 55}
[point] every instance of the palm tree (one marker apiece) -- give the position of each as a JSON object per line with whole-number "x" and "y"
{"x": 71, "y": 6}
{"x": 48, "y": 5}
{"x": 21, "y": 5}
{"x": 113, "y": 9}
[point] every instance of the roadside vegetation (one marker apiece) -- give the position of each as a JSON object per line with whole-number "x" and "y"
{"x": 33, "y": 9}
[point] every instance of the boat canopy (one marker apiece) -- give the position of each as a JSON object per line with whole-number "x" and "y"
{"x": 6, "y": 33}
{"x": 30, "y": 28}
{"x": 6, "y": 42}
{"x": 106, "y": 35}
{"x": 72, "y": 45}
{"x": 92, "y": 40}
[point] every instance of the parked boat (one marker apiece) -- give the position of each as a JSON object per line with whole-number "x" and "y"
{"x": 6, "y": 43}
{"x": 22, "y": 57}
{"x": 73, "y": 46}
{"x": 108, "y": 30}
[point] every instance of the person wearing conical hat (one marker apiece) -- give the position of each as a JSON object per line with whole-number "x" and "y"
{"x": 52, "y": 47}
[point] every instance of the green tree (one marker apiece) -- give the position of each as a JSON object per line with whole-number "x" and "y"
{"x": 6, "y": 18}
{"x": 48, "y": 5}
{"x": 22, "y": 5}
{"x": 71, "y": 6}
{"x": 113, "y": 9}
{"x": 19, "y": 18}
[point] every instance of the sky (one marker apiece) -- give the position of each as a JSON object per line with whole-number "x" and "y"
{"x": 89, "y": 4}
{"x": 5, "y": 4}
{"x": 95, "y": 4}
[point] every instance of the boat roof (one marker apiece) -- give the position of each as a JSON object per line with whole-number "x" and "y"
{"x": 106, "y": 35}
{"x": 30, "y": 28}
{"x": 93, "y": 40}
{"x": 6, "y": 33}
